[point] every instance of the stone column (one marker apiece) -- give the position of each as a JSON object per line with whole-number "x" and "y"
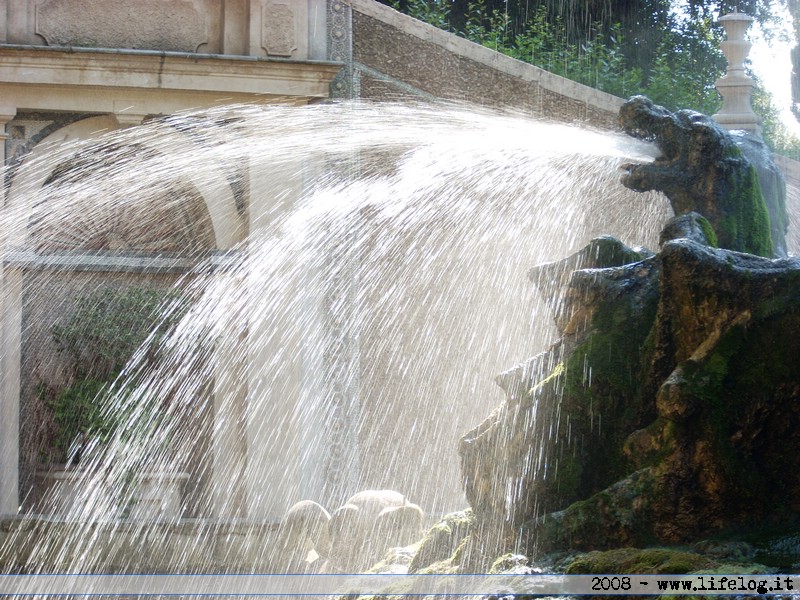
{"x": 735, "y": 86}
{"x": 229, "y": 444}
{"x": 6, "y": 114}
{"x": 10, "y": 337}
{"x": 10, "y": 355}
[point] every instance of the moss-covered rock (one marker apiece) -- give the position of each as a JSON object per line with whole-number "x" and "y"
{"x": 669, "y": 410}
{"x": 511, "y": 563}
{"x": 442, "y": 541}
{"x": 640, "y": 560}
{"x": 772, "y": 183}
{"x": 657, "y": 560}
{"x": 692, "y": 226}
{"x": 561, "y": 434}
{"x": 663, "y": 415}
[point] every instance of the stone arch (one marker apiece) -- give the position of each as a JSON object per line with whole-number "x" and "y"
{"x": 213, "y": 190}
{"x": 212, "y": 201}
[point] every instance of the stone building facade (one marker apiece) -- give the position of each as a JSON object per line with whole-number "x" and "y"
{"x": 73, "y": 70}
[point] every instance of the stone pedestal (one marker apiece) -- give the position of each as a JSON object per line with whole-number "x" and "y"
{"x": 735, "y": 86}
{"x": 159, "y": 495}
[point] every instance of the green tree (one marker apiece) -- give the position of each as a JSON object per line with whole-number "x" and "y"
{"x": 794, "y": 10}
{"x": 668, "y": 50}
{"x": 686, "y": 67}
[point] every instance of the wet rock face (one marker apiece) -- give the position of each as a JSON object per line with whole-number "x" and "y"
{"x": 728, "y": 428}
{"x": 773, "y": 186}
{"x": 701, "y": 169}
{"x": 559, "y": 436}
{"x": 691, "y": 226}
{"x": 668, "y": 411}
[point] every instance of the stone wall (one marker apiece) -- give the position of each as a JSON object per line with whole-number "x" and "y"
{"x": 423, "y": 62}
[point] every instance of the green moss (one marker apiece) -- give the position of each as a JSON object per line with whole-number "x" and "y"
{"x": 707, "y": 382}
{"x": 732, "y": 151}
{"x": 776, "y": 343}
{"x": 602, "y": 394}
{"x": 450, "y": 565}
{"x": 745, "y": 224}
{"x": 750, "y": 373}
{"x": 441, "y": 567}
{"x": 507, "y": 561}
{"x": 636, "y": 560}
{"x": 608, "y": 251}
{"x": 708, "y": 231}
{"x": 442, "y": 542}
{"x": 395, "y": 557}
{"x": 557, "y": 372}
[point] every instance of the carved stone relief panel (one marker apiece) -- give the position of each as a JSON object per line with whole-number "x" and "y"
{"x": 168, "y": 25}
{"x": 284, "y": 28}
{"x": 278, "y": 30}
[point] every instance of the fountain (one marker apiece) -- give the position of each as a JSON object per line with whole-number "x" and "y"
{"x": 653, "y": 420}
{"x": 347, "y": 335}
{"x": 362, "y": 290}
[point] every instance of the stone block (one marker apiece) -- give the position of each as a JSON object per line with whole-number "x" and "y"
{"x": 172, "y": 25}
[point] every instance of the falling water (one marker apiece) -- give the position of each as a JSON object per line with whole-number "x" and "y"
{"x": 356, "y": 282}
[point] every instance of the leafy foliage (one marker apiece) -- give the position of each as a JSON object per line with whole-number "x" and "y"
{"x": 687, "y": 65}
{"x": 779, "y": 139}
{"x": 434, "y": 12}
{"x": 77, "y": 414}
{"x": 99, "y": 339}
{"x": 668, "y": 50}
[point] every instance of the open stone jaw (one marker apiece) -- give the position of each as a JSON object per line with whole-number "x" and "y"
{"x": 705, "y": 169}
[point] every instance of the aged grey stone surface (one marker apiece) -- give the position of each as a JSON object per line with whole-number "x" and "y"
{"x": 175, "y": 25}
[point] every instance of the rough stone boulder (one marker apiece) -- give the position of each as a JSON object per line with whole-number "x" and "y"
{"x": 727, "y": 426}
{"x": 668, "y": 411}
{"x": 559, "y": 437}
{"x": 303, "y": 537}
{"x": 703, "y": 169}
{"x": 353, "y": 537}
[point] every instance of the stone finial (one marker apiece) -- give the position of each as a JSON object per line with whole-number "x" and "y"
{"x": 735, "y": 86}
